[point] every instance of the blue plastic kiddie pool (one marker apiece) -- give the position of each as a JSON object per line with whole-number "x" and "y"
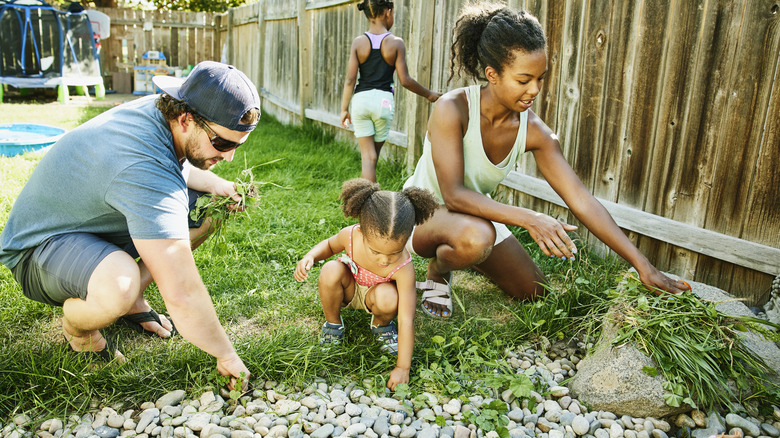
{"x": 18, "y": 138}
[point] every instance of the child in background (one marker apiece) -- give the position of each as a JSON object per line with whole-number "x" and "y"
{"x": 376, "y": 273}
{"x": 377, "y": 54}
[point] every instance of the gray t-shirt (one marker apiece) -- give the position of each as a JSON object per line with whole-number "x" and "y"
{"x": 115, "y": 176}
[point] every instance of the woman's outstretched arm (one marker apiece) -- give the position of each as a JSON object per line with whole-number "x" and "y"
{"x": 588, "y": 210}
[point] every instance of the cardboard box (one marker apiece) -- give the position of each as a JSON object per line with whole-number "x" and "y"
{"x": 121, "y": 82}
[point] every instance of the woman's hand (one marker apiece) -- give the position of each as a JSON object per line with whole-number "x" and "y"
{"x": 658, "y": 282}
{"x": 303, "y": 267}
{"x": 550, "y": 234}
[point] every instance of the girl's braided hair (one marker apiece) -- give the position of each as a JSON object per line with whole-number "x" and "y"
{"x": 374, "y": 8}
{"x": 487, "y": 33}
{"x": 384, "y": 213}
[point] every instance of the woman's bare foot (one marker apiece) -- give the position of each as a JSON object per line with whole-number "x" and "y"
{"x": 438, "y": 309}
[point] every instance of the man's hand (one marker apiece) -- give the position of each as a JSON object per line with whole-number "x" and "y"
{"x": 233, "y": 367}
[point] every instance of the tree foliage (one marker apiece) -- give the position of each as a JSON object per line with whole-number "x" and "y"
{"x": 162, "y": 5}
{"x": 198, "y": 5}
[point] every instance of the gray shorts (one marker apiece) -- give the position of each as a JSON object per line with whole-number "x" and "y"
{"x": 60, "y": 267}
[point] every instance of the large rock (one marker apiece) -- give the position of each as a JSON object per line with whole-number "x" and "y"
{"x": 725, "y": 303}
{"x": 611, "y": 378}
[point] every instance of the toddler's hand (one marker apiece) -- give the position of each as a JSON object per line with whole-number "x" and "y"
{"x": 303, "y": 267}
{"x": 434, "y": 96}
{"x": 397, "y": 376}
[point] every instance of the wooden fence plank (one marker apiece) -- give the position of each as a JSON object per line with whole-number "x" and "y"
{"x": 304, "y": 57}
{"x": 418, "y": 58}
{"x": 755, "y": 256}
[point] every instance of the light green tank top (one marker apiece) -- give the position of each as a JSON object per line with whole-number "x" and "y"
{"x": 479, "y": 173}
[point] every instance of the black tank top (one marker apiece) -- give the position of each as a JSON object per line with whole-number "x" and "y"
{"x": 375, "y": 72}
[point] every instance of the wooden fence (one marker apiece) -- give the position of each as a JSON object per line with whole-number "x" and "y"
{"x": 668, "y": 111}
{"x": 185, "y": 38}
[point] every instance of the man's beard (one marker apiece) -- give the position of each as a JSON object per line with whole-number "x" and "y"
{"x": 192, "y": 155}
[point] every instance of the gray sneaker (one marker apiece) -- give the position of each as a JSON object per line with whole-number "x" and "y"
{"x": 331, "y": 334}
{"x": 387, "y": 335}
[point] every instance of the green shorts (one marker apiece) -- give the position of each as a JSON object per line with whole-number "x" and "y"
{"x": 372, "y": 114}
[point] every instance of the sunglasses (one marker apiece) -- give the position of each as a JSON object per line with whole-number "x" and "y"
{"x": 217, "y": 142}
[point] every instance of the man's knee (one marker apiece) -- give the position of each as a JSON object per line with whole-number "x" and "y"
{"x": 116, "y": 279}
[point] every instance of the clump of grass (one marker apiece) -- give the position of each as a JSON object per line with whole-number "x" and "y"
{"x": 698, "y": 350}
{"x": 222, "y": 208}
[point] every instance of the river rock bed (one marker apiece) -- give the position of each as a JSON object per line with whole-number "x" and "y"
{"x": 348, "y": 410}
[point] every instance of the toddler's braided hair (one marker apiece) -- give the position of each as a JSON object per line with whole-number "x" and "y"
{"x": 487, "y": 33}
{"x": 374, "y": 8}
{"x": 383, "y": 213}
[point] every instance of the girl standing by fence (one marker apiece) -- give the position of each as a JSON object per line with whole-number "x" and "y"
{"x": 376, "y": 54}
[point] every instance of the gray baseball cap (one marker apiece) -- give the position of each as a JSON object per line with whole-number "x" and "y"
{"x": 218, "y": 92}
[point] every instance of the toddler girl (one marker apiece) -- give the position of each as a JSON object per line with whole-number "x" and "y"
{"x": 376, "y": 54}
{"x": 376, "y": 273}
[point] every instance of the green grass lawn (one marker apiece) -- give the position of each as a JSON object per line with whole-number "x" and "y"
{"x": 273, "y": 320}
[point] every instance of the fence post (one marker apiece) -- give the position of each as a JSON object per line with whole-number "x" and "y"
{"x": 304, "y": 58}
{"x": 418, "y": 58}
{"x": 229, "y": 38}
{"x": 216, "y": 42}
{"x": 260, "y": 45}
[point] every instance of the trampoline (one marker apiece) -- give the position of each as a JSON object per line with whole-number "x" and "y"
{"x": 18, "y": 138}
{"x": 42, "y": 47}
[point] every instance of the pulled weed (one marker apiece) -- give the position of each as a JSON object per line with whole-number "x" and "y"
{"x": 699, "y": 350}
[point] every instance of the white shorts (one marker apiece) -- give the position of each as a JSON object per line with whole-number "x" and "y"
{"x": 502, "y": 232}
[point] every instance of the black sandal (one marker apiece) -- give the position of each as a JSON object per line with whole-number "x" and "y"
{"x": 134, "y": 322}
{"x": 107, "y": 354}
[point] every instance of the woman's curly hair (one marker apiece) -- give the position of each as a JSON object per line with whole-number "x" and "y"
{"x": 383, "y": 213}
{"x": 486, "y": 34}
